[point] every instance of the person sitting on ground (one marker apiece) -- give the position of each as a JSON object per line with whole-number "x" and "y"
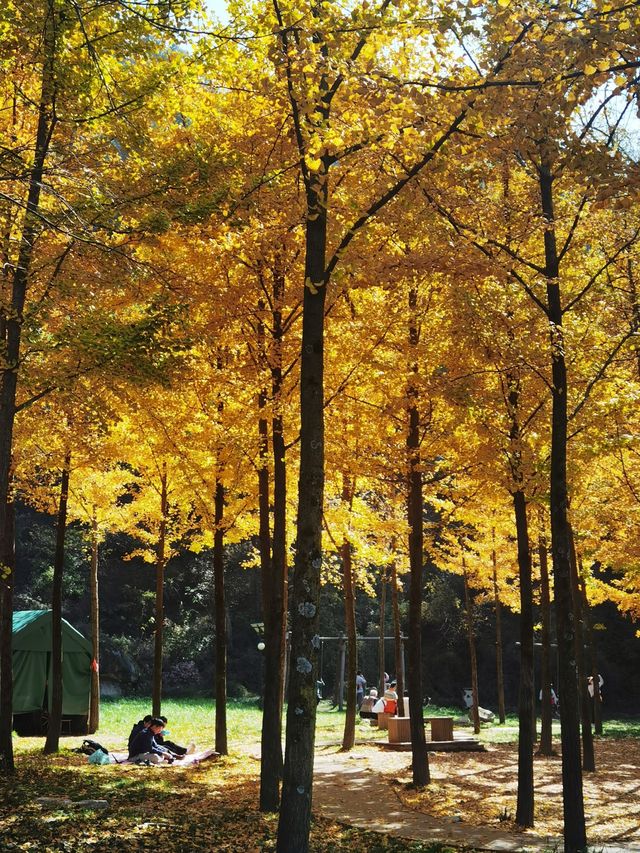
{"x": 178, "y": 751}
{"x": 366, "y": 709}
{"x": 144, "y": 746}
{"x": 144, "y": 723}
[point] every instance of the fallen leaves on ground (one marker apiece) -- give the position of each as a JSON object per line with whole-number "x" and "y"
{"x": 212, "y": 808}
{"x": 480, "y": 788}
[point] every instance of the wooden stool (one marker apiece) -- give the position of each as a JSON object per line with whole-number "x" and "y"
{"x": 441, "y": 727}
{"x": 399, "y": 729}
{"x": 383, "y": 720}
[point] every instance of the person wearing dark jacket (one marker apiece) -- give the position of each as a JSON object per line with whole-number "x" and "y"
{"x": 144, "y": 746}
{"x": 138, "y": 727}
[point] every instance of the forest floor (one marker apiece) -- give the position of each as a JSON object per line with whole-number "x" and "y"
{"x": 471, "y": 800}
{"x": 212, "y": 807}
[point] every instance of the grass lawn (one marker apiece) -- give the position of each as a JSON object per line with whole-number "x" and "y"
{"x": 211, "y": 807}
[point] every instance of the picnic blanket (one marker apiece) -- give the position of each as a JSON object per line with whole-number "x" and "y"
{"x": 188, "y": 760}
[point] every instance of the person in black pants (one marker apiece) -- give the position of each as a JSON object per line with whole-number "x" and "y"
{"x": 170, "y": 745}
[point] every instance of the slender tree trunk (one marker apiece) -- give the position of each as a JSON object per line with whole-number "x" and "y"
{"x": 94, "y": 696}
{"x": 588, "y": 755}
{"x": 473, "y": 661}
{"x": 279, "y": 557}
{"x": 397, "y": 638}
{"x": 526, "y": 702}
{"x": 381, "y": 631}
{"x": 295, "y": 811}
{"x": 161, "y": 561}
{"x": 6, "y": 631}
{"x": 499, "y": 666}
{"x": 575, "y": 838}
{"x": 271, "y": 749}
{"x": 11, "y": 323}
{"x": 55, "y": 685}
{"x": 415, "y": 512}
{"x": 272, "y": 763}
{"x": 349, "y": 736}
{"x": 526, "y": 715}
{"x": 221, "y": 621}
{"x": 546, "y": 744}
{"x": 593, "y": 653}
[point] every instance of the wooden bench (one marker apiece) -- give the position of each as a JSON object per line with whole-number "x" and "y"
{"x": 441, "y": 727}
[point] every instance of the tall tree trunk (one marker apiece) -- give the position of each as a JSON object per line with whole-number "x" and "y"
{"x": 55, "y": 685}
{"x": 526, "y": 702}
{"x": 381, "y": 630}
{"x": 271, "y": 749}
{"x": 593, "y": 653}
{"x": 588, "y": 755}
{"x": 473, "y": 661}
{"x": 397, "y": 638}
{"x": 498, "y": 611}
{"x": 6, "y": 631}
{"x": 161, "y": 561}
{"x": 295, "y": 811}
{"x": 526, "y": 706}
{"x": 11, "y": 322}
{"x": 272, "y": 763}
{"x": 221, "y": 621}
{"x": 415, "y": 512}
{"x": 575, "y": 837}
{"x": 546, "y": 744}
{"x": 349, "y": 736}
{"x": 94, "y": 696}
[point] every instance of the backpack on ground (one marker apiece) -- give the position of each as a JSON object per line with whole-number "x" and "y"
{"x": 90, "y": 746}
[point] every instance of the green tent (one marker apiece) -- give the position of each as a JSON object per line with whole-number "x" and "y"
{"x": 31, "y": 645}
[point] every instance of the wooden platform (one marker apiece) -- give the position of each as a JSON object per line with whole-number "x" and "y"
{"x": 443, "y": 738}
{"x": 458, "y": 744}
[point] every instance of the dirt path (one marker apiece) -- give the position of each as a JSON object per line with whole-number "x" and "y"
{"x": 351, "y": 788}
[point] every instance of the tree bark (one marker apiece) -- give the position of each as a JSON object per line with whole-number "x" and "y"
{"x": 588, "y": 755}
{"x": 499, "y": 666}
{"x": 94, "y": 696}
{"x": 575, "y": 838}
{"x": 221, "y": 621}
{"x": 473, "y": 661}
{"x": 349, "y": 736}
{"x": 7, "y": 766}
{"x": 161, "y": 560}
{"x": 381, "y": 632}
{"x": 415, "y": 511}
{"x": 546, "y": 745}
{"x": 526, "y": 715}
{"x": 397, "y": 638}
{"x": 55, "y": 685}
{"x": 295, "y": 811}
{"x": 271, "y": 749}
{"x": 12, "y": 329}
{"x": 526, "y": 703}
{"x": 276, "y": 625}
{"x": 593, "y": 653}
